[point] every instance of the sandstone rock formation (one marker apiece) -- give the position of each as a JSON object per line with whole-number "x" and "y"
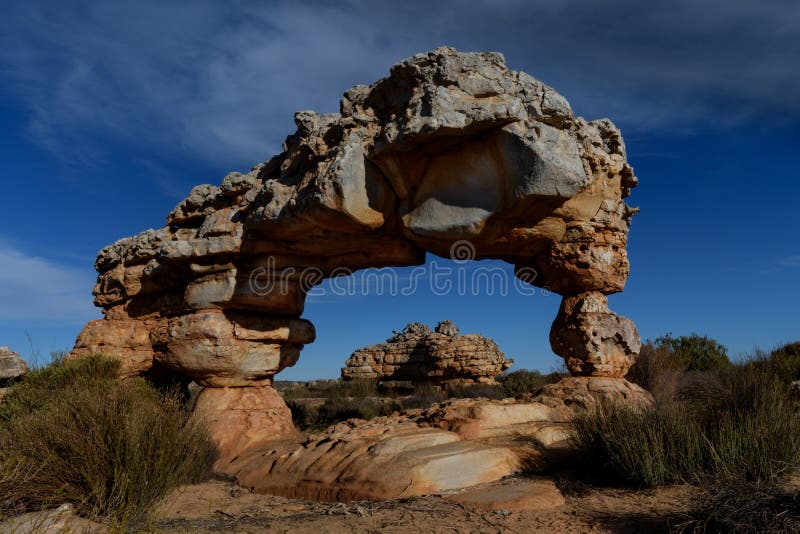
{"x": 450, "y": 152}
{"x": 592, "y": 339}
{"x": 456, "y": 444}
{"x": 11, "y": 365}
{"x": 417, "y": 355}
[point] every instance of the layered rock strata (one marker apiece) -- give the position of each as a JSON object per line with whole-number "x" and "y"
{"x": 418, "y": 355}
{"x": 12, "y": 366}
{"x": 456, "y": 444}
{"x": 451, "y": 153}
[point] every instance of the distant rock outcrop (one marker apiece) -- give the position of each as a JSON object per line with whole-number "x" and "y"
{"x": 417, "y": 355}
{"x": 11, "y": 365}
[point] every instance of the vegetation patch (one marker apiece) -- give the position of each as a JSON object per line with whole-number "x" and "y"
{"x": 74, "y": 433}
{"x": 320, "y": 403}
{"x": 731, "y": 429}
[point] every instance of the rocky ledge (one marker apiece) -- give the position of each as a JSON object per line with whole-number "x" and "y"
{"x": 455, "y": 444}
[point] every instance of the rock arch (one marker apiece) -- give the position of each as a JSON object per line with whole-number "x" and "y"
{"x": 449, "y": 147}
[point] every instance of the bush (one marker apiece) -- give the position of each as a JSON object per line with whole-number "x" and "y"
{"x": 524, "y": 381}
{"x": 694, "y": 352}
{"x": 656, "y": 372}
{"x": 640, "y": 447}
{"x": 309, "y": 417}
{"x": 785, "y": 362}
{"x": 330, "y": 389}
{"x": 738, "y": 505}
{"x": 425, "y": 396}
{"x": 474, "y": 391}
{"x": 74, "y": 433}
{"x": 744, "y": 424}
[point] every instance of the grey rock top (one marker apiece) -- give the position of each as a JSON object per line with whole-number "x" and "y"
{"x": 11, "y": 365}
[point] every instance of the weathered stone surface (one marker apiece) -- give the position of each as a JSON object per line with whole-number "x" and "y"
{"x": 219, "y": 349}
{"x": 543, "y": 419}
{"x": 418, "y": 355}
{"x": 11, "y": 365}
{"x": 450, "y": 148}
{"x": 125, "y": 338}
{"x": 383, "y": 459}
{"x": 240, "y": 418}
{"x": 592, "y": 339}
{"x": 588, "y": 392}
{"x": 477, "y": 419}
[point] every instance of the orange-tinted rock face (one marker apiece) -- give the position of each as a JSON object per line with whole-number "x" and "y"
{"x": 242, "y": 418}
{"x": 592, "y": 339}
{"x": 448, "y": 147}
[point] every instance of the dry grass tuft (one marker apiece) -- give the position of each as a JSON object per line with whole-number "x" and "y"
{"x": 74, "y": 433}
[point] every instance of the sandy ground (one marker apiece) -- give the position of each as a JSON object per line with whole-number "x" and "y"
{"x": 222, "y": 507}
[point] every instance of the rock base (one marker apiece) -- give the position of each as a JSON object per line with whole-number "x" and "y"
{"x": 457, "y": 444}
{"x": 242, "y": 418}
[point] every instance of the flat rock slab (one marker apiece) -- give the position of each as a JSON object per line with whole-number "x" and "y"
{"x": 530, "y": 495}
{"x": 454, "y": 445}
{"x": 57, "y": 521}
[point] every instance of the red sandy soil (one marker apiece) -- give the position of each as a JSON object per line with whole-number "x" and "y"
{"x": 222, "y": 507}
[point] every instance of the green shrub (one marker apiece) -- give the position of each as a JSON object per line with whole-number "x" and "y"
{"x": 655, "y": 371}
{"x": 425, "y": 396}
{"x": 44, "y": 386}
{"x": 524, "y": 381}
{"x": 640, "y": 447}
{"x": 694, "y": 352}
{"x": 755, "y": 434}
{"x": 331, "y": 389}
{"x": 74, "y": 433}
{"x": 473, "y": 391}
{"x": 306, "y": 416}
{"x": 738, "y": 420}
{"x": 785, "y": 362}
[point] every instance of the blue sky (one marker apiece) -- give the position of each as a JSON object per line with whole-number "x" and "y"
{"x": 112, "y": 111}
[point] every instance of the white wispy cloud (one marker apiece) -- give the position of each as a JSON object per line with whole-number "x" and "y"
{"x": 791, "y": 261}
{"x": 220, "y": 80}
{"x": 36, "y": 289}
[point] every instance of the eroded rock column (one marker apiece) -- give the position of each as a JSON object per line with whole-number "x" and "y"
{"x": 592, "y": 339}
